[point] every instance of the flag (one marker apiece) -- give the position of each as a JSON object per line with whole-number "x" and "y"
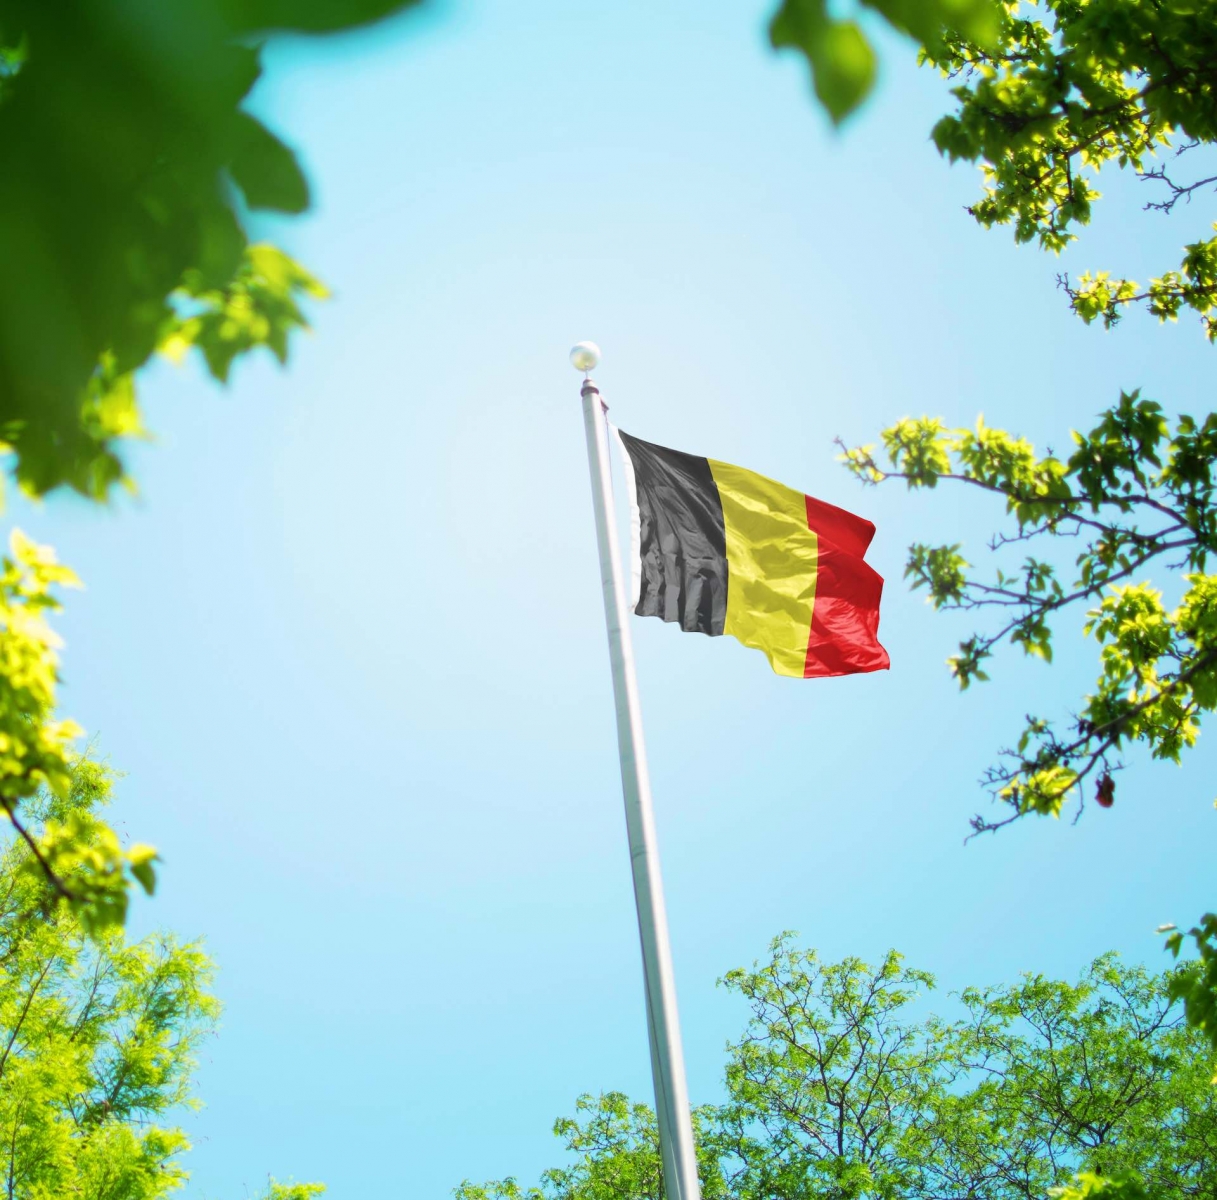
{"x": 718, "y": 549}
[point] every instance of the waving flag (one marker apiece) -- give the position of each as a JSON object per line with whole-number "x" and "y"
{"x": 718, "y": 549}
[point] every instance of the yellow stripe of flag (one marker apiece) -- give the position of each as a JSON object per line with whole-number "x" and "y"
{"x": 771, "y": 559}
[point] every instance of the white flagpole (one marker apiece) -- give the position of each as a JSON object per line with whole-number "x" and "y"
{"x": 667, "y": 1059}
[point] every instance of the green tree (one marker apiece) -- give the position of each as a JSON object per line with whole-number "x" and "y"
{"x": 839, "y": 1090}
{"x": 98, "y": 1035}
{"x": 1068, "y": 89}
{"x": 832, "y": 1080}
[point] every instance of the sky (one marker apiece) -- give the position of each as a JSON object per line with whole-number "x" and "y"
{"x": 347, "y": 644}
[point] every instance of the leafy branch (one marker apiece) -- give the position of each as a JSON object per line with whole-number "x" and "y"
{"x": 1052, "y": 102}
{"x": 1135, "y": 494}
{"x": 76, "y": 855}
{"x": 1193, "y": 286}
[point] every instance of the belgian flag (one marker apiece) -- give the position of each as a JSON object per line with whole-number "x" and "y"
{"x": 718, "y": 549}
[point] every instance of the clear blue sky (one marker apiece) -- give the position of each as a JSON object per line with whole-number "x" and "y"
{"x": 348, "y": 645}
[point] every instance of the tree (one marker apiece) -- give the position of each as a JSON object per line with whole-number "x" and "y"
{"x": 98, "y": 1035}
{"x": 831, "y": 1081}
{"x": 837, "y": 1091}
{"x": 1064, "y": 92}
{"x": 130, "y": 167}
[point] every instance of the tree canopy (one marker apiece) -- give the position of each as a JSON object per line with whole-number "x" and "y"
{"x": 1067, "y": 89}
{"x": 839, "y": 1090}
{"x": 98, "y": 1035}
{"x": 1070, "y": 87}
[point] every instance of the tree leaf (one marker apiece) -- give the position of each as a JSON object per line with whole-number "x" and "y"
{"x": 265, "y": 169}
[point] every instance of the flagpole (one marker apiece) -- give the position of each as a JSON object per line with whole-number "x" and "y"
{"x": 667, "y": 1059}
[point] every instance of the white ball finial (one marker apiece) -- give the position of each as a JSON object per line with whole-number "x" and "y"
{"x": 585, "y": 356}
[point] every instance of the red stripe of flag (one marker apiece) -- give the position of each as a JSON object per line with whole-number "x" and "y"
{"x": 844, "y": 638}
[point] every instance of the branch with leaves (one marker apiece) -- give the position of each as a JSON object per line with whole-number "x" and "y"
{"x": 75, "y": 854}
{"x": 1136, "y": 494}
{"x": 1194, "y": 285}
{"x": 1050, "y": 102}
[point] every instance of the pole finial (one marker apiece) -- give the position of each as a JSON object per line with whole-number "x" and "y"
{"x": 584, "y": 356}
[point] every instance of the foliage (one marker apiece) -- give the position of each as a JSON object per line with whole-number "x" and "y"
{"x": 75, "y": 856}
{"x": 1136, "y": 492}
{"x": 292, "y": 1191}
{"x": 1122, "y": 1187}
{"x": 616, "y": 1147}
{"x": 98, "y": 1036}
{"x": 841, "y": 57}
{"x": 1196, "y": 982}
{"x": 827, "y": 1095}
{"x": 1069, "y": 87}
{"x": 129, "y": 166}
{"x": 1103, "y": 1075}
{"x": 838, "y": 1091}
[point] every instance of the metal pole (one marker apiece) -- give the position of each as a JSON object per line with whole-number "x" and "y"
{"x": 667, "y": 1060}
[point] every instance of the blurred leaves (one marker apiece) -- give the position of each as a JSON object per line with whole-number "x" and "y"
{"x": 841, "y": 57}
{"x": 265, "y": 170}
{"x": 258, "y": 306}
{"x": 1195, "y": 983}
{"x": 1125, "y": 1186}
{"x": 129, "y": 164}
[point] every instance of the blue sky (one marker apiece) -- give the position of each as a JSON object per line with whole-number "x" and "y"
{"x": 347, "y": 645}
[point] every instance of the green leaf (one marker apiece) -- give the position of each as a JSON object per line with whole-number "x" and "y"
{"x": 265, "y": 169}
{"x": 842, "y": 61}
{"x": 140, "y": 859}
